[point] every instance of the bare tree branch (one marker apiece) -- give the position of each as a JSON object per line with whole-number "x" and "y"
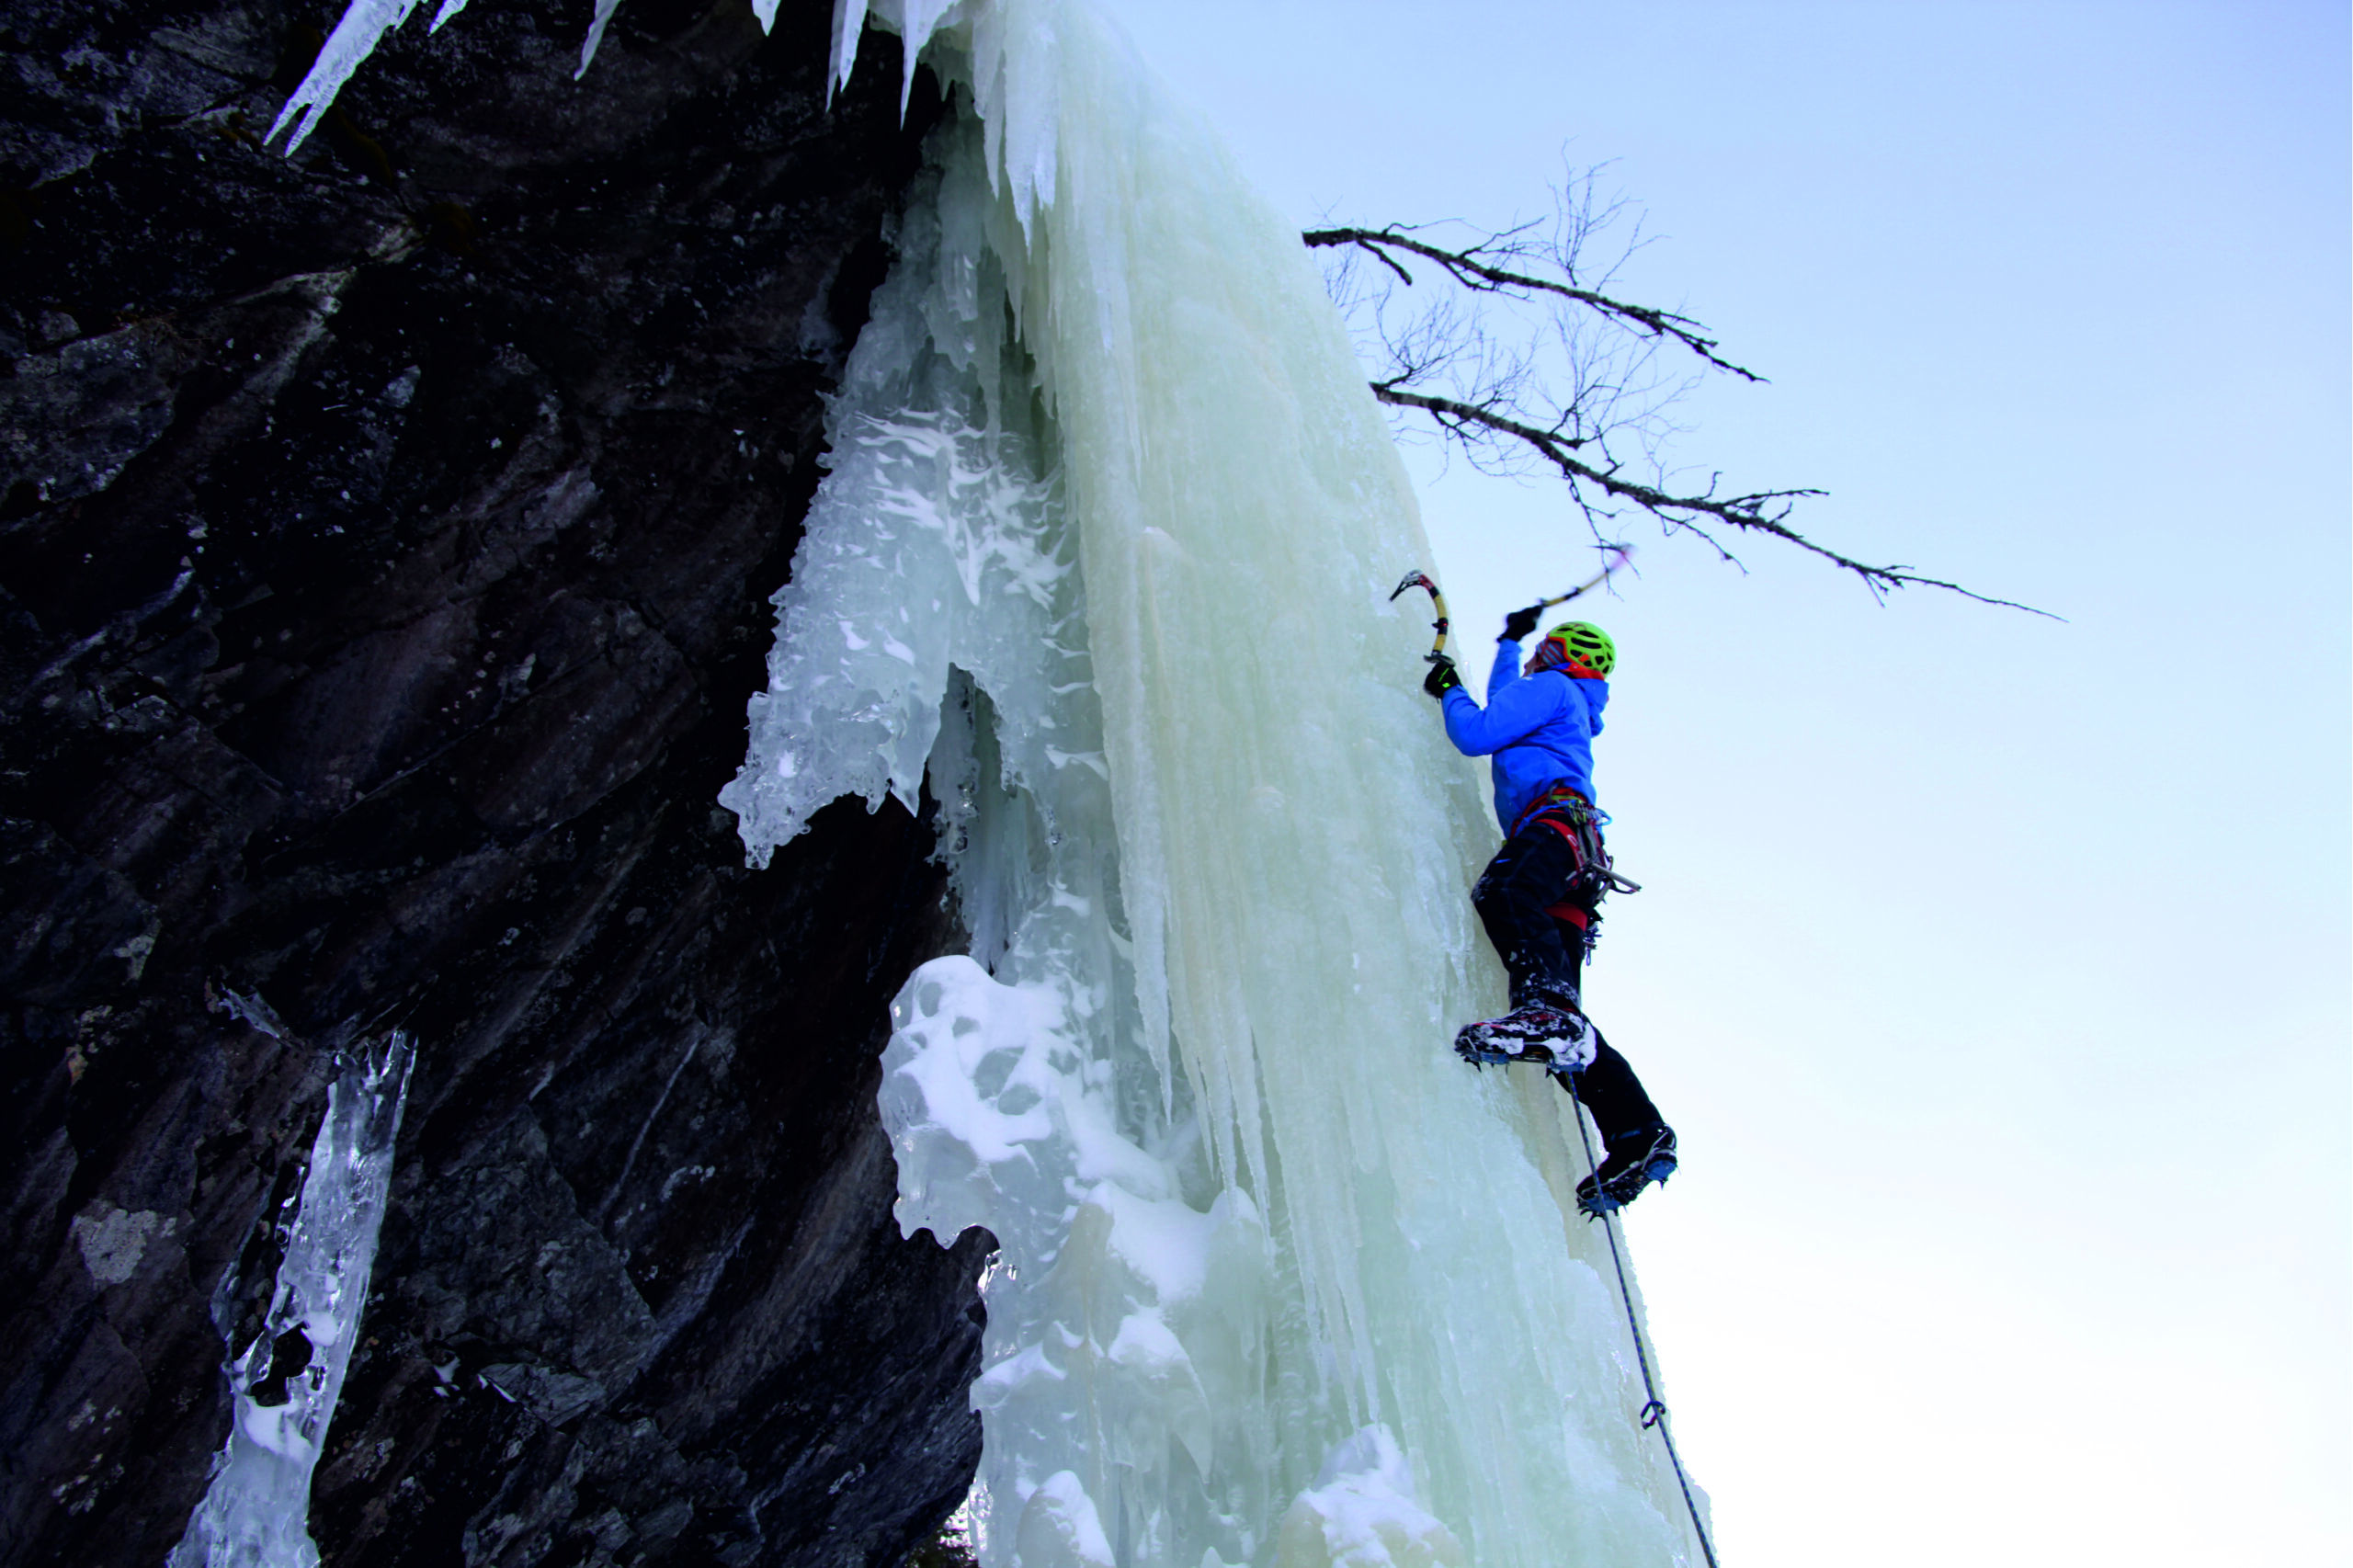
{"x": 1466, "y": 268}
{"x": 1762, "y": 511}
{"x": 1565, "y": 370}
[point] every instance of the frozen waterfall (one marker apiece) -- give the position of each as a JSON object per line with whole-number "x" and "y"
{"x": 1104, "y": 553}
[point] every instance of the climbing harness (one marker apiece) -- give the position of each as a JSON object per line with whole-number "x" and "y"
{"x": 1655, "y": 1412}
{"x": 1580, "y": 822}
{"x": 1436, "y": 656}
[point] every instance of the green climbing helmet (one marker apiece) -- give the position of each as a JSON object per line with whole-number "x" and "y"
{"x": 1581, "y": 645}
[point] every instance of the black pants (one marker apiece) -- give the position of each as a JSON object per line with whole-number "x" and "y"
{"x": 1536, "y": 870}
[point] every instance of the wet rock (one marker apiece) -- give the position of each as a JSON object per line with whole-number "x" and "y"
{"x": 384, "y": 540}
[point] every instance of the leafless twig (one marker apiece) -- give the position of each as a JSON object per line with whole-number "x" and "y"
{"x": 1570, "y": 368}
{"x": 1470, "y": 267}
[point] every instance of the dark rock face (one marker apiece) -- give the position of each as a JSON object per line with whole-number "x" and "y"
{"x": 385, "y": 536}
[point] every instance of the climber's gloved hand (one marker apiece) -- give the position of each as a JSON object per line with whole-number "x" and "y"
{"x": 1520, "y": 622}
{"x": 1443, "y": 677}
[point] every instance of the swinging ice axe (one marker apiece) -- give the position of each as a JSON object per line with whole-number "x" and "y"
{"x": 1618, "y": 554}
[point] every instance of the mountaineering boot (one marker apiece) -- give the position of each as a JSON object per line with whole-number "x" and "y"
{"x": 1636, "y": 1159}
{"x": 1547, "y": 1029}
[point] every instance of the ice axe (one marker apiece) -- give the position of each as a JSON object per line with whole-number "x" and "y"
{"x": 1436, "y": 656}
{"x": 1618, "y": 554}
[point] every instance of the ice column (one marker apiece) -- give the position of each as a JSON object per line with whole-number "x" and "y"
{"x": 1104, "y": 554}
{"x": 284, "y": 1385}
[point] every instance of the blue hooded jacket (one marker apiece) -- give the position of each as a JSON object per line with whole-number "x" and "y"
{"x": 1539, "y": 727}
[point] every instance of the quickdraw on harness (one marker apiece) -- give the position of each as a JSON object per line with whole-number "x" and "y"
{"x": 1580, "y": 822}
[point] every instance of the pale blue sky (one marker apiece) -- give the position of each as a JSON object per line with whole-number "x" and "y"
{"x": 1995, "y": 971}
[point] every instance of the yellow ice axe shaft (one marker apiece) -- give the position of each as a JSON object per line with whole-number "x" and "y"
{"x": 1618, "y": 556}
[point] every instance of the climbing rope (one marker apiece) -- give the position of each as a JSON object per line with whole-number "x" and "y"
{"x": 1655, "y": 1412}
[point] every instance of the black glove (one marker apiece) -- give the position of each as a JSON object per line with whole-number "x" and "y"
{"x": 1443, "y": 677}
{"x": 1520, "y": 622}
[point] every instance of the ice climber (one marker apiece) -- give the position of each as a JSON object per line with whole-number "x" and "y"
{"x": 1538, "y": 897}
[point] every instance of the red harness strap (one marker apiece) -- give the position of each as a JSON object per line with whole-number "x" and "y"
{"x": 1576, "y": 915}
{"x": 1580, "y": 918}
{"x": 1559, "y": 795}
{"x": 1563, "y": 829}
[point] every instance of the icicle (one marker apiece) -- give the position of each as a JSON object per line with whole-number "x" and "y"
{"x": 604, "y": 17}
{"x": 353, "y": 40}
{"x": 913, "y": 20}
{"x": 285, "y": 1384}
{"x": 849, "y": 26}
{"x": 1016, "y": 81}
